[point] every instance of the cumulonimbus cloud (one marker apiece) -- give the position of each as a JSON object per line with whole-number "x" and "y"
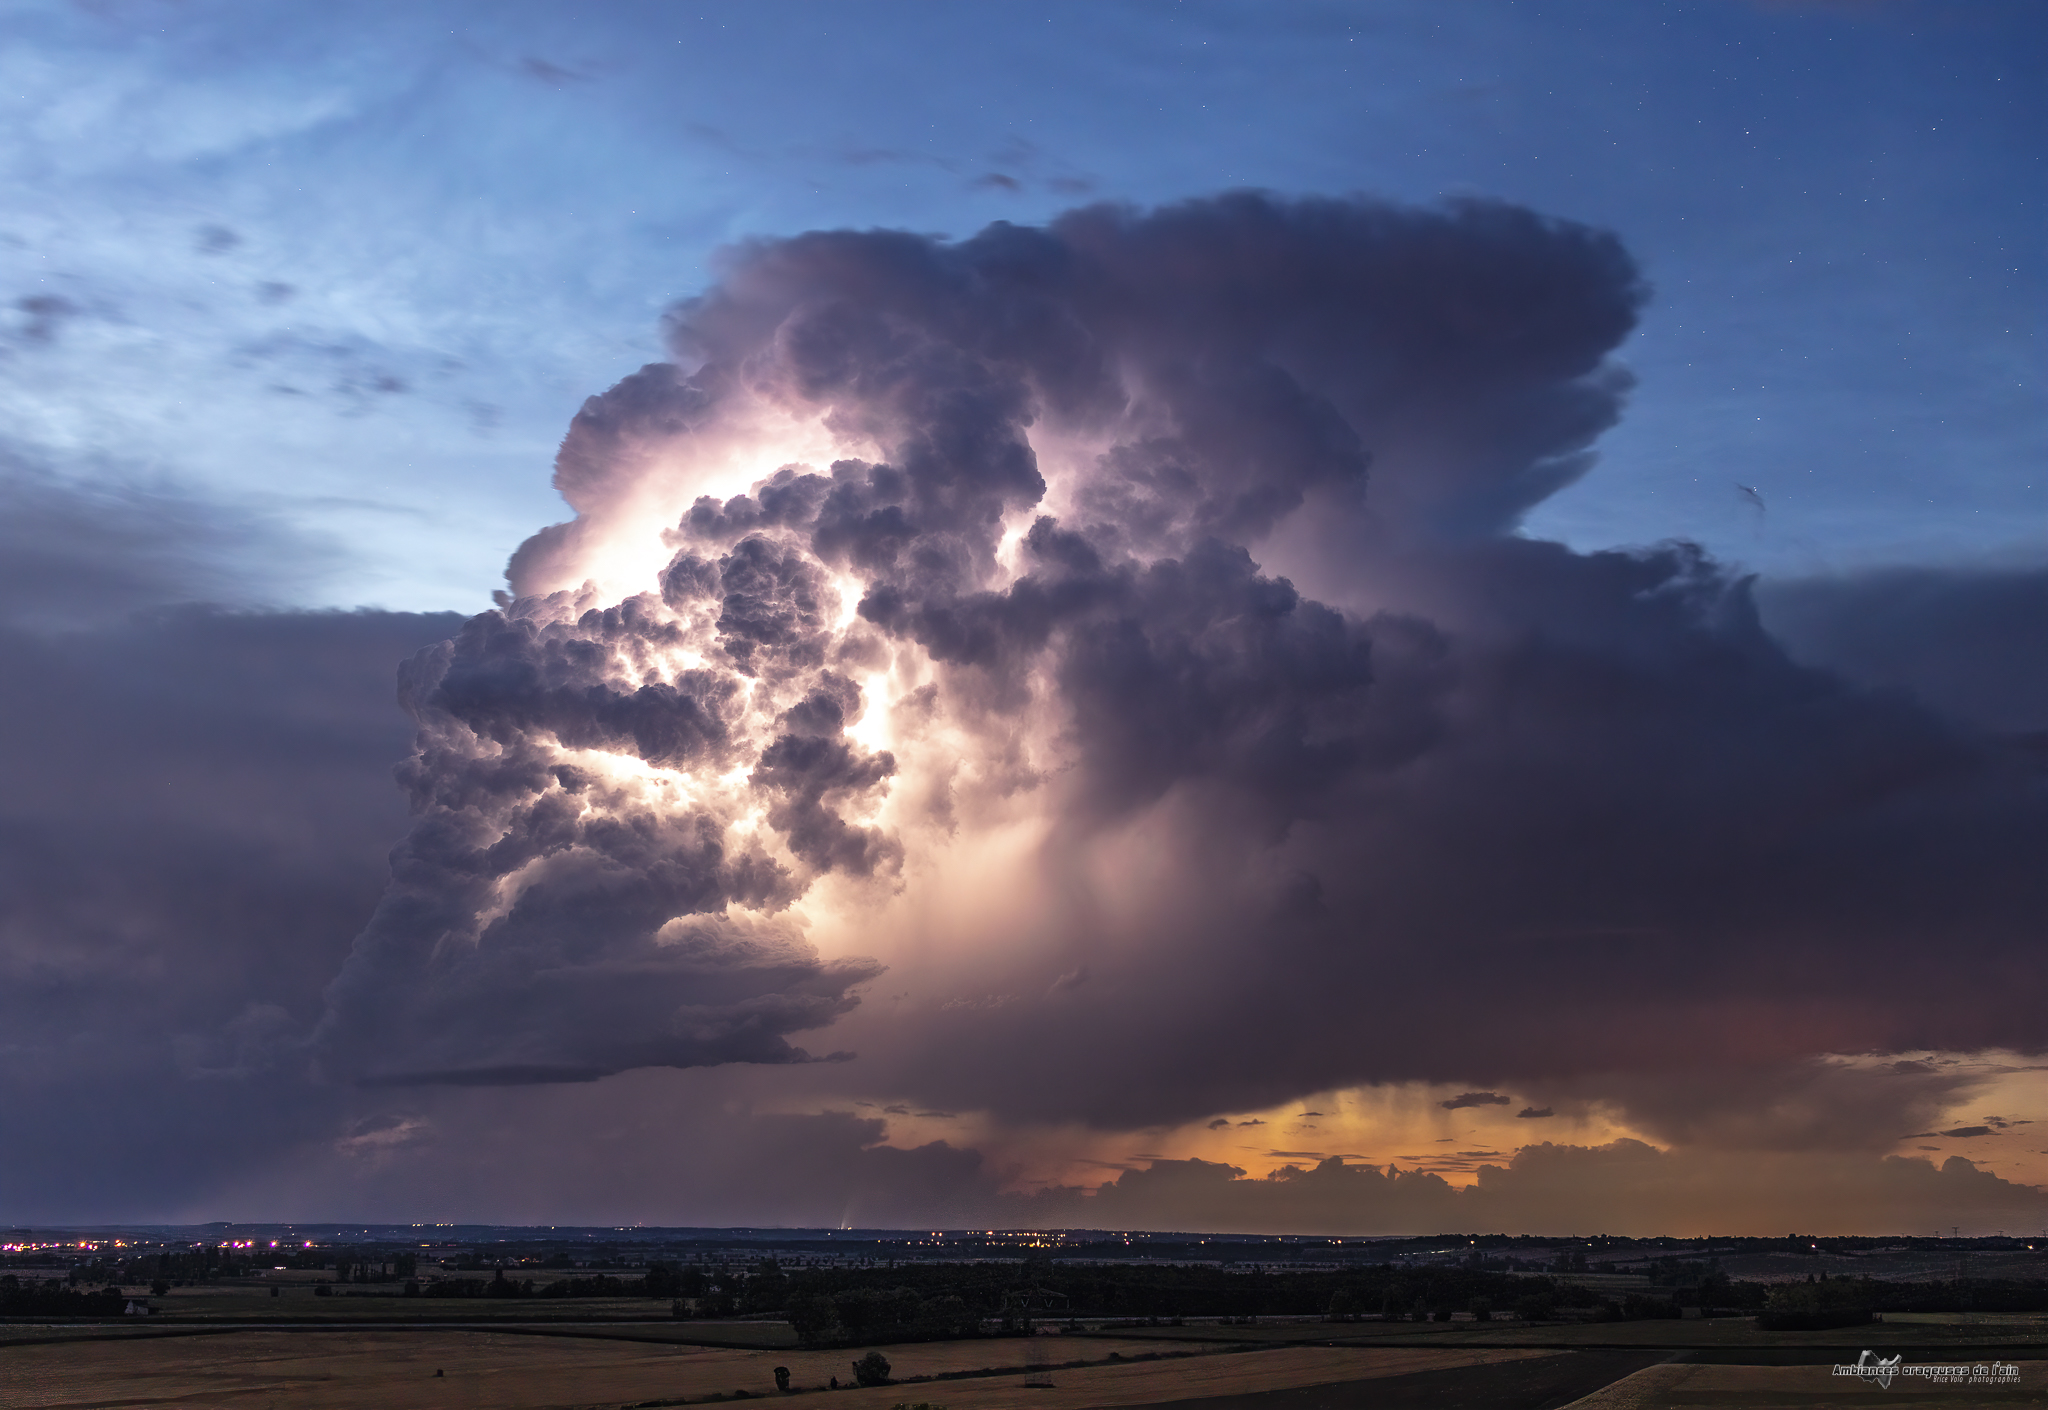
{"x": 1182, "y": 543}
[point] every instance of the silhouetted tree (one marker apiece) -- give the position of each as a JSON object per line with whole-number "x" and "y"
{"x": 814, "y": 1320}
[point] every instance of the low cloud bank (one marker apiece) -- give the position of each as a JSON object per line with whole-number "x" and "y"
{"x": 652, "y": 1146}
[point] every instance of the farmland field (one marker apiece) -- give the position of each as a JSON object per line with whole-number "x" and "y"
{"x": 397, "y": 1368}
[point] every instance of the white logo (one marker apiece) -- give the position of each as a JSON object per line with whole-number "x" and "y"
{"x": 1874, "y": 1367}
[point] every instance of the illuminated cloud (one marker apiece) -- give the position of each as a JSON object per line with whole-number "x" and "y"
{"x": 645, "y": 740}
{"x": 1181, "y": 544}
{"x": 1117, "y": 633}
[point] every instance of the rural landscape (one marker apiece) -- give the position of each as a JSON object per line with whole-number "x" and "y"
{"x": 1023, "y": 704}
{"x": 332, "y": 1318}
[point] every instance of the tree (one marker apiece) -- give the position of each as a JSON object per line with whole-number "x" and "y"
{"x": 879, "y": 1314}
{"x": 872, "y": 1369}
{"x": 945, "y": 1317}
{"x": 814, "y": 1320}
{"x": 767, "y": 1290}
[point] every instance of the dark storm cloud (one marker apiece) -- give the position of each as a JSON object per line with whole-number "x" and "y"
{"x": 1602, "y": 788}
{"x": 1465, "y": 1099}
{"x": 1973, "y": 642}
{"x": 1184, "y": 663}
{"x": 194, "y": 823}
{"x": 1787, "y": 1105}
{"x": 1489, "y": 782}
{"x": 1566, "y": 779}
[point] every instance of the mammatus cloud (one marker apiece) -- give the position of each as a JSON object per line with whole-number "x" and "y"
{"x": 918, "y": 545}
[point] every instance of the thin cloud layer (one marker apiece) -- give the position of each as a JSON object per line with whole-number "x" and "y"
{"x": 85, "y": 554}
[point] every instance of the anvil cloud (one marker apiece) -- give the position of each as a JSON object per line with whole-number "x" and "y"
{"x": 1183, "y": 542}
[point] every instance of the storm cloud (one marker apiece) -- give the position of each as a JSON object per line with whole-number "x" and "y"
{"x": 661, "y": 1147}
{"x": 1970, "y": 642}
{"x": 1119, "y": 635}
{"x": 1185, "y": 540}
{"x": 197, "y": 808}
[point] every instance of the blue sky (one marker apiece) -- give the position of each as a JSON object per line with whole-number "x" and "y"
{"x": 348, "y": 270}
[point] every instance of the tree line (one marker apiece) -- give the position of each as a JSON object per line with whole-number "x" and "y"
{"x": 40, "y": 1298}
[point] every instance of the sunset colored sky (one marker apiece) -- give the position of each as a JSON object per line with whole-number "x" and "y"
{"x": 1338, "y": 617}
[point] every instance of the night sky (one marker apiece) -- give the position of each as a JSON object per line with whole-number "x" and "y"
{"x": 1345, "y": 618}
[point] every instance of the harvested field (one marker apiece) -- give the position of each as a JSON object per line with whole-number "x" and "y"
{"x": 1532, "y": 1383}
{"x": 1795, "y": 1387}
{"x": 1201, "y": 1378}
{"x": 395, "y": 1370}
